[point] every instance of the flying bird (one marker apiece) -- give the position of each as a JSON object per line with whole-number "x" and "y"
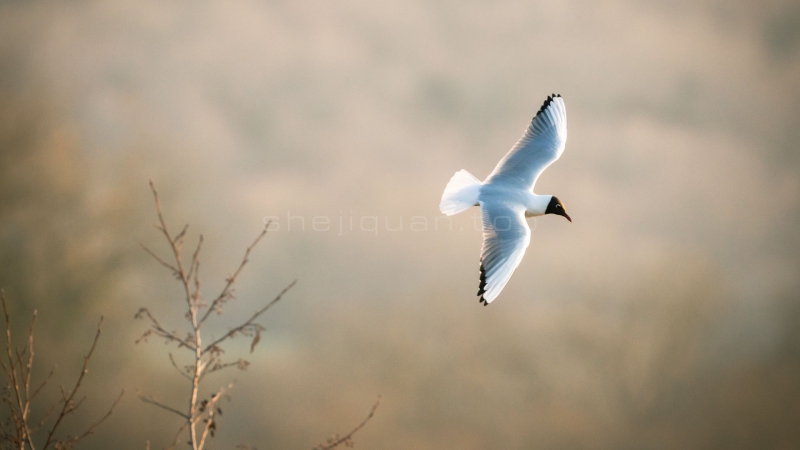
{"x": 506, "y": 197}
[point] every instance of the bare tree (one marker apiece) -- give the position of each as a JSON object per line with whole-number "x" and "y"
{"x": 200, "y": 414}
{"x": 19, "y": 394}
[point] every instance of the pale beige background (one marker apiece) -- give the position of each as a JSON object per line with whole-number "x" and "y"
{"x": 666, "y": 316}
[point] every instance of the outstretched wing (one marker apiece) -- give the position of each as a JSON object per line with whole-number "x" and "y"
{"x": 505, "y": 237}
{"x": 542, "y": 144}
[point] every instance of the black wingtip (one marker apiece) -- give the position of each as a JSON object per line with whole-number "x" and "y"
{"x": 482, "y": 287}
{"x": 547, "y": 102}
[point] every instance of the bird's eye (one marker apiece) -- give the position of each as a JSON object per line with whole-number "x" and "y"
{"x": 558, "y": 206}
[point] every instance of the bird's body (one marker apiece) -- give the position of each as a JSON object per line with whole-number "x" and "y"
{"x": 506, "y": 197}
{"x": 535, "y": 205}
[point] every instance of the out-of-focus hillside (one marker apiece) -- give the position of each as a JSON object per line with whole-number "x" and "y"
{"x": 665, "y": 316}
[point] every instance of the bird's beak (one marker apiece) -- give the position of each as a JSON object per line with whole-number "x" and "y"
{"x": 567, "y": 216}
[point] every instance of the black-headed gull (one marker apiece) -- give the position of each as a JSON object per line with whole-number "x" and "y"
{"x": 506, "y": 197}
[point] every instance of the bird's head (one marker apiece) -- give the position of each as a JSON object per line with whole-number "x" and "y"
{"x": 556, "y": 207}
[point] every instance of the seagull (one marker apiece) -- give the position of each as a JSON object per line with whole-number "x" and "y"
{"x": 506, "y": 197}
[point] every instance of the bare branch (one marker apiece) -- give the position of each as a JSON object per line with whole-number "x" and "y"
{"x": 163, "y": 225}
{"x": 177, "y": 436}
{"x": 240, "y": 364}
{"x": 5, "y": 369}
{"x": 174, "y": 245}
{"x": 46, "y": 416}
{"x": 28, "y": 368}
{"x": 20, "y": 352}
{"x": 179, "y": 238}
{"x": 94, "y": 426}
{"x": 347, "y": 439}
{"x": 250, "y": 322}
{"x": 211, "y": 425}
{"x": 67, "y": 408}
{"x": 22, "y": 425}
{"x": 42, "y": 384}
{"x": 226, "y": 291}
{"x": 155, "y": 402}
{"x": 160, "y": 331}
{"x": 161, "y": 261}
{"x": 175, "y": 365}
{"x": 206, "y": 357}
{"x": 195, "y": 259}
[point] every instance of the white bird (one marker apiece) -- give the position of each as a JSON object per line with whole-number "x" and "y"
{"x": 506, "y": 197}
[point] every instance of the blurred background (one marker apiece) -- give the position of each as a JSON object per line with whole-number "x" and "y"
{"x": 666, "y": 316}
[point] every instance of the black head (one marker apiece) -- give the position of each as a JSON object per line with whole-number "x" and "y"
{"x": 556, "y": 207}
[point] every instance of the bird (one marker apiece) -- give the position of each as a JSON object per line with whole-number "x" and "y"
{"x": 506, "y": 197}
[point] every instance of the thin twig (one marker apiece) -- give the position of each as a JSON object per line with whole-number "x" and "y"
{"x": 175, "y": 365}
{"x": 46, "y": 416}
{"x": 160, "y": 330}
{"x": 28, "y": 369}
{"x": 155, "y": 402}
{"x": 241, "y": 364}
{"x": 195, "y": 259}
{"x": 229, "y": 282}
{"x": 68, "y": 408}
{"x": 161, "y": 261}
{"x": 250, "y": 321}
{"x": 5, "y": 369}
{"x": 176, "y": 250}
{"x": 177, "y": 436}
{"x": 22, "y": 426}
{"x": 179, "y": 238}
{"x": 94, "y": 426}
{"x": 42, "y": 384}
{"x": 349, "y": 435}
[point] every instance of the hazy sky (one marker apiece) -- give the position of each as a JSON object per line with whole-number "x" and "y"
{"x": 665, "y": 316}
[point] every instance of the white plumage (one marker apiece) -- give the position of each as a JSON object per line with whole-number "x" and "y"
{"x": 506, "y": 197}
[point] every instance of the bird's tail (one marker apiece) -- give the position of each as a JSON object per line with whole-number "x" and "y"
{"x": 461, "y": 193}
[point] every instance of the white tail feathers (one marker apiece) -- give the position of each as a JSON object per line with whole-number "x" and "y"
{"x": 461, "y": 193}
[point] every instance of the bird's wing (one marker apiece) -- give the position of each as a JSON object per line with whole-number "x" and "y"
{"x": 505, "y": 237}
{"x": 542, "y": 144}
